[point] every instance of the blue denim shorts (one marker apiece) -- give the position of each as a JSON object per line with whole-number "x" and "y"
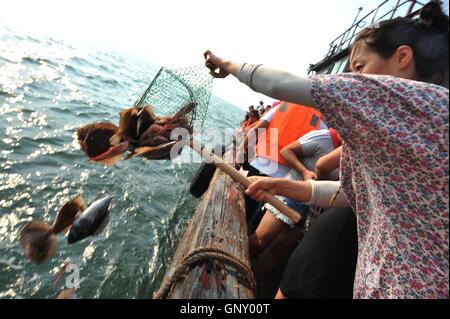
{"x": 299, "y": 207}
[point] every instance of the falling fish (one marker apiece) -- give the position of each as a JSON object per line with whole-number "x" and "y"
{"x": 60, "y": 273}
{"x": 68, "y": 293}
{"x": 94, "y": 140}
{"x": 154, "y": 152}
{"x": 38, "y": 239}
{"x": 91, "y": 221}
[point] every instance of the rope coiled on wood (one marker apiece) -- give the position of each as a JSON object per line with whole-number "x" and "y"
{"x": 203, "y": 254}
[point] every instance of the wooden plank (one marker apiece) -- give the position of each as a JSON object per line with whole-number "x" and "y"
{"x": 219, "y": 221}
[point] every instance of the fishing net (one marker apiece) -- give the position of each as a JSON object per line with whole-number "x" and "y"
{"x": 171, "y": 89}
{"x": 177, "y": 98}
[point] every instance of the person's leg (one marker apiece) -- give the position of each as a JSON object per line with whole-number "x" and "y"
{"x": 276, "y": 253}
{"x": 268, "y": 230}
{"x": 267, "y": 236}
{"x": 323, "y": 264}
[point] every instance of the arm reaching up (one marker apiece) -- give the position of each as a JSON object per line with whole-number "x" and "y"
{"x": 277, "y": 84}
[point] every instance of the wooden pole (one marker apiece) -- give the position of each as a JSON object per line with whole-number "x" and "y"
{"x": 219, "y": 222}
{"x": 238, "y": 177}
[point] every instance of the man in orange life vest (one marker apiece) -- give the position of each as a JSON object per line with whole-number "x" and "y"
{"x": 278, "y": 128}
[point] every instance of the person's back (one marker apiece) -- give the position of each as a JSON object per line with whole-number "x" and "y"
{"x": 287, "y": 123}
{"x": 313, "y": 146}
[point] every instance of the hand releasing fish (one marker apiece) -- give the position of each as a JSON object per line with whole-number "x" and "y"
{"x": 139, "y": 130}
{"x": 91, "y": 221}
{"x": 38, "y": 239}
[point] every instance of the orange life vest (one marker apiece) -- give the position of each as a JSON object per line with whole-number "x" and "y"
{"x": 335, "y": 137}
{"x": 292, "y": 121}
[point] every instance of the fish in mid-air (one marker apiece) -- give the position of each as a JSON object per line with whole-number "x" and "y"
{"x": 91, "y": 221}
{"x": 68, "y": 293}
{"x": 38, "y": 239}
{"x": 94, "y": 140}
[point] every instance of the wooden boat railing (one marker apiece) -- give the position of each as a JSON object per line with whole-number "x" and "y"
{"x": 212, "y": 258}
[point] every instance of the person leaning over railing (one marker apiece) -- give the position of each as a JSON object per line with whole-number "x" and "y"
{"x": 392, "y": 114}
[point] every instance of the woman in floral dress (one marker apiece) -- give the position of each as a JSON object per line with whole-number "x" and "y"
{"x": 392, "y": 114}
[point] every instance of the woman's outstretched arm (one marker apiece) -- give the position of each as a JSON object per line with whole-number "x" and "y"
{"x": 277, "y": 84}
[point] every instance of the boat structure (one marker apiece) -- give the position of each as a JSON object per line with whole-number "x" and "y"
{"x": 212, "y": 259}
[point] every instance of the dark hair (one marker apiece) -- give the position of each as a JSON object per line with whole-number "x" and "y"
{"x": 254, "y": 114}
{"x": 427, "y": 36}
{"x": 245, "y": 119}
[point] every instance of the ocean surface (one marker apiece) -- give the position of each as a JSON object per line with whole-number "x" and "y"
{"x": 47, "y": 90}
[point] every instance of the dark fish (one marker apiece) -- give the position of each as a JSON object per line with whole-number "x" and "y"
{"x": 133, "y": 122}
{"x": 179, "y": 117}
{"x": 154, "y": 142}
{"x": 159, "y": 152}
{"x": 91, "y": 221}
{"x": 67, "y": 213}
{"x": 127, "y": 127}
{"x": 140, "y": 131}
{"x": 94, "y": 140}
{"x": 153, "y": 136}
{"x": 113, "y": 155}
{"x": 38, "y": 239}
{"x": 145, "y": 119}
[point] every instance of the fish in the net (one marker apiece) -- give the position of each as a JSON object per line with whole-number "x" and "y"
{"x": 140, "y": 131}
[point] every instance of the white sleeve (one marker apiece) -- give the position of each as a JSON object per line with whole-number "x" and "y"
{"x": 269, "y": 115}
{"x": 327, "y": 194}
{"x": 277, "y": 84}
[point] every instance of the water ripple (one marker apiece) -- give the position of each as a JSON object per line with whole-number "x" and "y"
{"x": 47, "y": 90}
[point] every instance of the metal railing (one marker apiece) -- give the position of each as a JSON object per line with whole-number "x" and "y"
{"x": 388, "y": 9}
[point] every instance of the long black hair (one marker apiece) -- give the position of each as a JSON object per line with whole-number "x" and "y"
{"x": 427, "y": 36}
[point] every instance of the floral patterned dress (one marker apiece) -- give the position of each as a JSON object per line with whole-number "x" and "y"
{"x": 395, "y": 174}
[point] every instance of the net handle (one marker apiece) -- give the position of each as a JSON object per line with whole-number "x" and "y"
{"x": 238, "y": 177}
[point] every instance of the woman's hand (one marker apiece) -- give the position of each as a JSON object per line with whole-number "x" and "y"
{"x": 297, "y": 190}
{"x": 309, "y": 175}
{"x": 260, "y": 184}
{"x": 213, "y": 62}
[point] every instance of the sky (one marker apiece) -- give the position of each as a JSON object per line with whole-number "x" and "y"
{"x": 285, "y": 34}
